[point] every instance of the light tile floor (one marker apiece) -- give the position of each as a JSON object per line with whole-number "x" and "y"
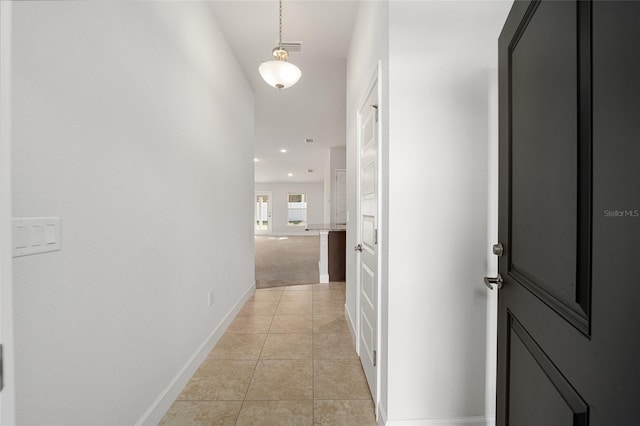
{"x": 287, "y": 359}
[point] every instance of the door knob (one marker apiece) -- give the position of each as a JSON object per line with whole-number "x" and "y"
{"x": 497, "y": 281}
{"x": 358, "y": 247}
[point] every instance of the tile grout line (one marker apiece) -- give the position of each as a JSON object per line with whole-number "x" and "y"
{"x": 321, "y": 301}
{"x": 257, "y": 361}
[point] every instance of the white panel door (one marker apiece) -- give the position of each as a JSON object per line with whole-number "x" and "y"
{"x": 368, "y": 246}
{"x": 262, "y": 223}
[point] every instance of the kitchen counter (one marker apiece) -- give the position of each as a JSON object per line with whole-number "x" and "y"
{"x": 327, "y": 227}
{"x": 332, "y": 263}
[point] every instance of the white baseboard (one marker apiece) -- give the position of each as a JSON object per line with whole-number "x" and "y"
{"x": 163, "y": 402}
{"x": 352, "y": 327}
{"x": 290, "y": 234}
{"x": 459, "y": 421}
{"x": 382, "y": 415}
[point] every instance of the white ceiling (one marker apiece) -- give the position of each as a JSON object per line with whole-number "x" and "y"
{"x": 315, "y": 106}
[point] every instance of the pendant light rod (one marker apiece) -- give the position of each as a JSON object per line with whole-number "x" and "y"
{"x": 279, "y": 73}
{"x": 279, "y": 52}
{"x": 280, "y": 34}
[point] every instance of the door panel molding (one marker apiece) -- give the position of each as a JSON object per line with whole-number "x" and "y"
{"x": 585, "y": 162}
{"x": 574, "y": 303}
{"x": 568, "y": 312}
{"x": 566, "y": 398}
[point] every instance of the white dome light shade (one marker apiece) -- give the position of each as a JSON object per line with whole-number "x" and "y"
{"x": 280, "y": 74}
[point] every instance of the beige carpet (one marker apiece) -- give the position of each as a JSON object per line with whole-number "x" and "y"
{"x": 286, "y": 260}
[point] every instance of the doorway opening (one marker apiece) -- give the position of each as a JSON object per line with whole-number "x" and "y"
{"x": 263, "y": 213}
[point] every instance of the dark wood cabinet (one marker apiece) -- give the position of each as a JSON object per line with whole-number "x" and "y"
{"x": 337, "y": 255}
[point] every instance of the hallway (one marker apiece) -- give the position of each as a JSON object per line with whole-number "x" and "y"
{"x": 139, "y": 128}
{"x": 287, "y": 359}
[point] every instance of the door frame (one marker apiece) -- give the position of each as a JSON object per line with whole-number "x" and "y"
{"x": 335, "y": 194}
{"x": 269, "y": 230}
{"x": 7, "y": 395}
{"x": 374, "y": 83}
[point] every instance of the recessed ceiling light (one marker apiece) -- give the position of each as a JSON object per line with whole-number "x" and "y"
{"x": 289, "y": 174}
{"x": 283, "y": 150}
{"x": 256, "y": 160}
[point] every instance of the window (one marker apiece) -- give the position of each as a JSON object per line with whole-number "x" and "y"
{"x": 297, "y": 205}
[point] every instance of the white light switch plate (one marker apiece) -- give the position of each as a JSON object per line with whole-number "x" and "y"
{"x": 33, "y": 235}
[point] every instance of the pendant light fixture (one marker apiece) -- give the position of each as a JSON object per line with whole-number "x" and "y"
{"x": 280, "y": 73}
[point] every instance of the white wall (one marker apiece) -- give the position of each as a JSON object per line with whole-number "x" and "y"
{"x": 438, "y": 197}
{"x": 313, "y": 108}
{"x": 327, "y": 188}
{"x": 337, "y": 161}
{"x": 132, "y": 122}
{"x": 7, "y": 396}
{"x": 279, "y": 208}
{"x": 443, "y": 60}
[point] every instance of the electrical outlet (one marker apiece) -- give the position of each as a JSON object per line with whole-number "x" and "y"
{"x": 210, "y": 298}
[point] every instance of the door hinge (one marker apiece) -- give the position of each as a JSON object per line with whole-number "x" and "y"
{"x": 376, "y": 107}
{"x": 375, "y": 236}
{"x": 375, "y": 358}
{"x": 1, "y": 369}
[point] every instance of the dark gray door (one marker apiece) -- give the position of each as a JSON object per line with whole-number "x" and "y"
{"x": 569, "y": 307}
